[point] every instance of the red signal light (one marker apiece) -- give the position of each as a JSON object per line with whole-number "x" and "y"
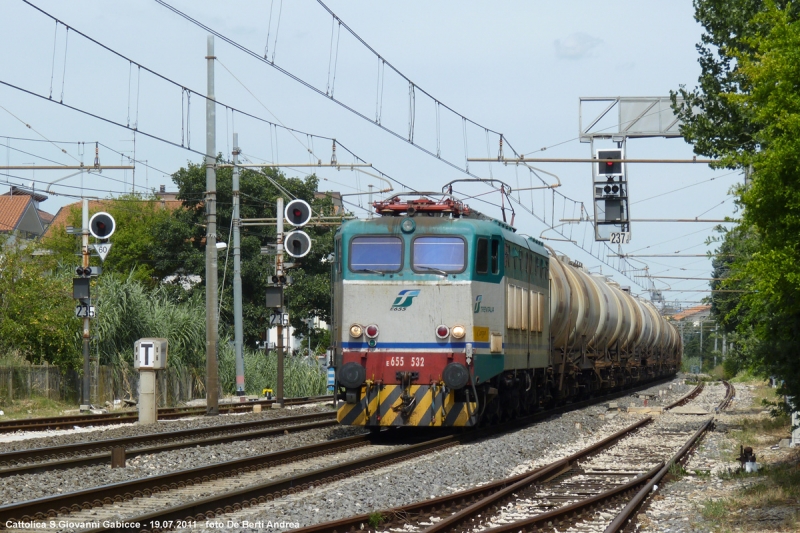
{"x": 372, "y": 331}
{"x": 442, "y": 332}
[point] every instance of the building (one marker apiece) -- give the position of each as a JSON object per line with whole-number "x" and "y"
{"x": 21, "y": 215}
{"x": 695, "y": 315}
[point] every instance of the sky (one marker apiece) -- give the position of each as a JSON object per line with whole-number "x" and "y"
{"x": 465, "y": 71}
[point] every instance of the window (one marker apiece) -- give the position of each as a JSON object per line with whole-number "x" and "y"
{"x": 439, "y": 253}
{"x": 482, "y": 256}
{"x": 376, "y": 254}
{"x": 495, "y": 256}
{"x": 337, "y": 255}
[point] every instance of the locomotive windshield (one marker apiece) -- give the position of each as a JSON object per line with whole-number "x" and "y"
{"x": 376, "y": 254}
{"x": 447, "y": 254}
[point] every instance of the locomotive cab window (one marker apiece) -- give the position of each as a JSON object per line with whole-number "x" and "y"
{"x": 482, "y": 256}
{"x": 495, "y": 256}
{"x": 439, "y": 254}
{"x": 376, "y": 254}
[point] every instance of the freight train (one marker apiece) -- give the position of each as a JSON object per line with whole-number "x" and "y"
{"x": 443, "y": 316}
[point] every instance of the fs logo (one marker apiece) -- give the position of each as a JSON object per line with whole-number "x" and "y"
{"x": 404, "y": 299}
{"x": 478, "y": 299}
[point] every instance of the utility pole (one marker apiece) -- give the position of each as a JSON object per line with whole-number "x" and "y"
{"x": 85, "y": 398}
{"x": 238, "y": 335}
{"x": 701, "y": 345}
{"x": 279, "y": 273}
{"x": 716, "y": 328}
{"x": 212, "y": 378}
{"x": 724, "y": 345}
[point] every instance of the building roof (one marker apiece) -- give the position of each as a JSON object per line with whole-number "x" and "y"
{"x": 693, "y": 312}
{"x": 11, "y": 210}
{"x": 46, "y": 217}
{"x": 60, "y": 218}
{"x": 21, "y": 191}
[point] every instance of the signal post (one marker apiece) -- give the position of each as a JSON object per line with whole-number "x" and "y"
{"x": 101, "y": 226}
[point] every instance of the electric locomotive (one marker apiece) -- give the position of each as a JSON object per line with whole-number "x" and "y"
{"x": 445, "y": 317}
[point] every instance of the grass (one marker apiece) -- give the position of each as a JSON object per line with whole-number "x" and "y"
{"x": 677, "y": 470}
{"x": 772, "y": 487}
{"x": 765, "y": 500}
{"x": 375, "y": 520}
{"x": 37, "y": 406}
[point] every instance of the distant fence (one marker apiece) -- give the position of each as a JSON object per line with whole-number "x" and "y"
{"x": 23, "y": 382}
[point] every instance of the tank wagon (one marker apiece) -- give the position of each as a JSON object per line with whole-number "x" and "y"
{"x": 445, "y": 317}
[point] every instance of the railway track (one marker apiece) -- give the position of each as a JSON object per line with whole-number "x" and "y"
{"x": 588, "y": 491}
{"x": 236, "y": 484}
{"x": 96, "y": 452}
{"x": 164, "y": 413}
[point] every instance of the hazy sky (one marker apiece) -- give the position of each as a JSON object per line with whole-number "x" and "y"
{"x": 514, "y": 67}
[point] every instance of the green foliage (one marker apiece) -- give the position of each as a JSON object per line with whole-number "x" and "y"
{"x": 714, "y": 510}
{"x": 301, "y": 376}
{"x": 677, "y": 470}
{"x": 136, "y": 237}
{"x": 127, "y": 311}
{"x": 749, "y": 100}
{"x": 37, "y": 321}
{"x": 375, "y": 520}
{"x": 183, "y": 245}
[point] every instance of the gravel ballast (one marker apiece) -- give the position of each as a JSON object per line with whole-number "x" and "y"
{"x": 447, "y": 471}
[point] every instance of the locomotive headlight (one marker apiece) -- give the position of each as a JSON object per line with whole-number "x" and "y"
{"x": 442, "y": 332}
{"x": 356, "y": 331}
{"x": 458, "y": 332}
{"x": 372, "y": 331}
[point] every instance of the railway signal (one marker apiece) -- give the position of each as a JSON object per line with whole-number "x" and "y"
{"x": 297, "y": 243}
{"x": 102, "y": 226}
{"x": 606, "y": 166}
{"x": 297, "y": 213}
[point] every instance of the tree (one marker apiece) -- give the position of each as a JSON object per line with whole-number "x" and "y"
{"x": 184, "y": 237}
{"x": 134, "y": 241}
{"x": 36, "y": 309}
{"x": 750, "y": 102}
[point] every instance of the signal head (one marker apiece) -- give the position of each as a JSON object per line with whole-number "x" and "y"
{"x": 102, "y": 225}
{"x": 297, "y": 213}
{"x": 297, "y": 243}
{"x": 610, "y": 168}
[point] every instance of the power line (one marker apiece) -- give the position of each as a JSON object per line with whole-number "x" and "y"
{"x": 412, "y": 85}
{"x": 168, "y": 80}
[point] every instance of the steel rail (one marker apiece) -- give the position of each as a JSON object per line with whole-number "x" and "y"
{"x": 619, "y": 521}
{"x": 694, "y": 393}
{"x": 101, "y": 450}
{"x": 205, "y": 508}
{"x": 164, "y": 413}
{"x": 47, "y": 507}
{"x": 213, "y": 506}
{"x": 459, "y": 519}
{"x": 486, "y": 495}
{"x": 491, "y": 491}
{"x": 730, "y": 394}
{"x": 647, "y": 481}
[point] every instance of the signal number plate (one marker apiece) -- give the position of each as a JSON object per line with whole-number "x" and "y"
{"x": 620, "y": 237}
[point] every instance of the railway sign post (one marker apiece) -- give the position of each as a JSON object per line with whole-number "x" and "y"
{"x": 149, "y": 355}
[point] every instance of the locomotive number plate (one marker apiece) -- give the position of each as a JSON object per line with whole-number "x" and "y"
{"x": 401, "y": 361}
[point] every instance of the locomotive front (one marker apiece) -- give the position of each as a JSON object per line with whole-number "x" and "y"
{"x": 403, "y": 322}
